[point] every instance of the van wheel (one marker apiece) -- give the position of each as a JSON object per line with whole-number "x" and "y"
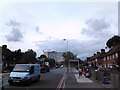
{"x": 30, "y": 81}
{"x": 11, "y": 84}
{"x": 38, "y": 78}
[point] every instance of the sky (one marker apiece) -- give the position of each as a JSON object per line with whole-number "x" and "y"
{"x": 43, "y": 26}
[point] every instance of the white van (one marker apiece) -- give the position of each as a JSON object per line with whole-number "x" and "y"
{"x": 24, "y": 73}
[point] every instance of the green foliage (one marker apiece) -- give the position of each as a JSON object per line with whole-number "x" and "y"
{"x": 7, "y": 56}
{"x": 113, "y": 41}
{"x": 42, "y": 56}
{"x": 30, "y": 56}
{"x": 68, "y": 55}
{"x": 52, "y": 62}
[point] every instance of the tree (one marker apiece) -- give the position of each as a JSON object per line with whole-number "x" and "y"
{"x": 68, "y": 55}
{"x": 113, "y": 41}
{"x": 42, "y": 57}
{"x": 30, "y": 56}
{"x": 52, "y": 62}
{"x": 18, "y": 56}
{"x": 6, "y": 56}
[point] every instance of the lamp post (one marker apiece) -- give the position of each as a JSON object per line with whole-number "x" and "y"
{"x": 68, "y": 62}
{"x": 67, "y": 43}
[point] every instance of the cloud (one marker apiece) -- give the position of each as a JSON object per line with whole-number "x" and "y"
{"x": 82, "y": 49}
{"x": 37, "y": 29}
{"x": 97, "y": 24}
{"x": 97, "y": 28}
{"x": 14, "y": 36}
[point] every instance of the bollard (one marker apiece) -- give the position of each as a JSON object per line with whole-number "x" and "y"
{"x": 105, "y": 80}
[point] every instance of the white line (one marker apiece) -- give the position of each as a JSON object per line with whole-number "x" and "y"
{"x": 82, "y": 79}
{"x": 64, "y": 79}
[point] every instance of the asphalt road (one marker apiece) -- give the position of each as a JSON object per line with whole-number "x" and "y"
{"x": 48, "y": 80}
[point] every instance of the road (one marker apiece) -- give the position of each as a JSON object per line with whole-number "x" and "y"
{"x": 48, "y": 80}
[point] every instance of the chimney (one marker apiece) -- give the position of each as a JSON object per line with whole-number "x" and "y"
{"x": 98, "y": 52}
{"x": 4, "y": 46}
{"x": 102, "y": 50}
{"x": 94, "y": 54}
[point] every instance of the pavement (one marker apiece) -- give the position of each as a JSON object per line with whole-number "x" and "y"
{"x": 4, "y": 74}
{"x": 74, "y": 81}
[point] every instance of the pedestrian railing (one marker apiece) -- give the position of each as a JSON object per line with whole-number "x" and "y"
{"x": 107, "y": 77}
{"x": 115, "y": 80}
{"x": 101, "y": 76}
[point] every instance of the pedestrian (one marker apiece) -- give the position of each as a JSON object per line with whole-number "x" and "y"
{"x": 80, "y": 72}
{"x": 87, "y": 73}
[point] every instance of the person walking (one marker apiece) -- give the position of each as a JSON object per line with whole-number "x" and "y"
{"x": 80, "y": 72}
{"x": 87, "y": 73}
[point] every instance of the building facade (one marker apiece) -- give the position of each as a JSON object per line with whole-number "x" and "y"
{"x": 55, "y": 55}
{"x": 104, "y": 59}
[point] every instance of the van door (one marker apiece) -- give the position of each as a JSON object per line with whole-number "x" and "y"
{"x": 32, "y": 73}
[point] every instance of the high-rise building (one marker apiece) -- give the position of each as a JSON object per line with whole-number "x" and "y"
{"x": 55, "y": 55}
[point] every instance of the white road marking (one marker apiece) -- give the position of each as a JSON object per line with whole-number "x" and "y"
{"x": 82, "y": 79}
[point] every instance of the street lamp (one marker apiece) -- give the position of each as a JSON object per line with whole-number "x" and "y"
{"x": 68, "y": 61}
{"x": 67, "y": 43}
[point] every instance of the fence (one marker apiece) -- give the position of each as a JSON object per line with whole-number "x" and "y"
{"x": 100, "y": 76}
{"x": 113, "y": 78}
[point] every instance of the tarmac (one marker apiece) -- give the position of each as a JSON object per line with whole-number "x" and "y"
{"x": 74, "y": 81}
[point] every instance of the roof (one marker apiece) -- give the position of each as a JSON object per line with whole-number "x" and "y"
{"x": 99, "y": 55}
{"x": 114, "y": 50}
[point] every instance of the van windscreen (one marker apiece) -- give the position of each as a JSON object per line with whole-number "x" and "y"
{"x": 21, "y": 68}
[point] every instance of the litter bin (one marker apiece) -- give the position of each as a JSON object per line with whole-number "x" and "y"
{"x": 105, "y": 80}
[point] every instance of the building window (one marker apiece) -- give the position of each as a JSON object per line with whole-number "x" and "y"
{"x": 96, "y": 60}
{"x": 104, "y": 59}
{"x": 113, "y": 56}
{"x": 105, "y": 65}
{"x": 107, "y": 57}
{"x": 110, "y": 56}
{"x": 116, "y": 55}
{"x": 108, "y": 65}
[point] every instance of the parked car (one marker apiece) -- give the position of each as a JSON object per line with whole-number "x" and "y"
{"x": 61, "y": 66}
{"x": 24, "y": 74}
{"x": 57, "y": 66}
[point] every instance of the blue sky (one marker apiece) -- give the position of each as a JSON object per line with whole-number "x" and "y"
{"x": 42, "y": 26}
